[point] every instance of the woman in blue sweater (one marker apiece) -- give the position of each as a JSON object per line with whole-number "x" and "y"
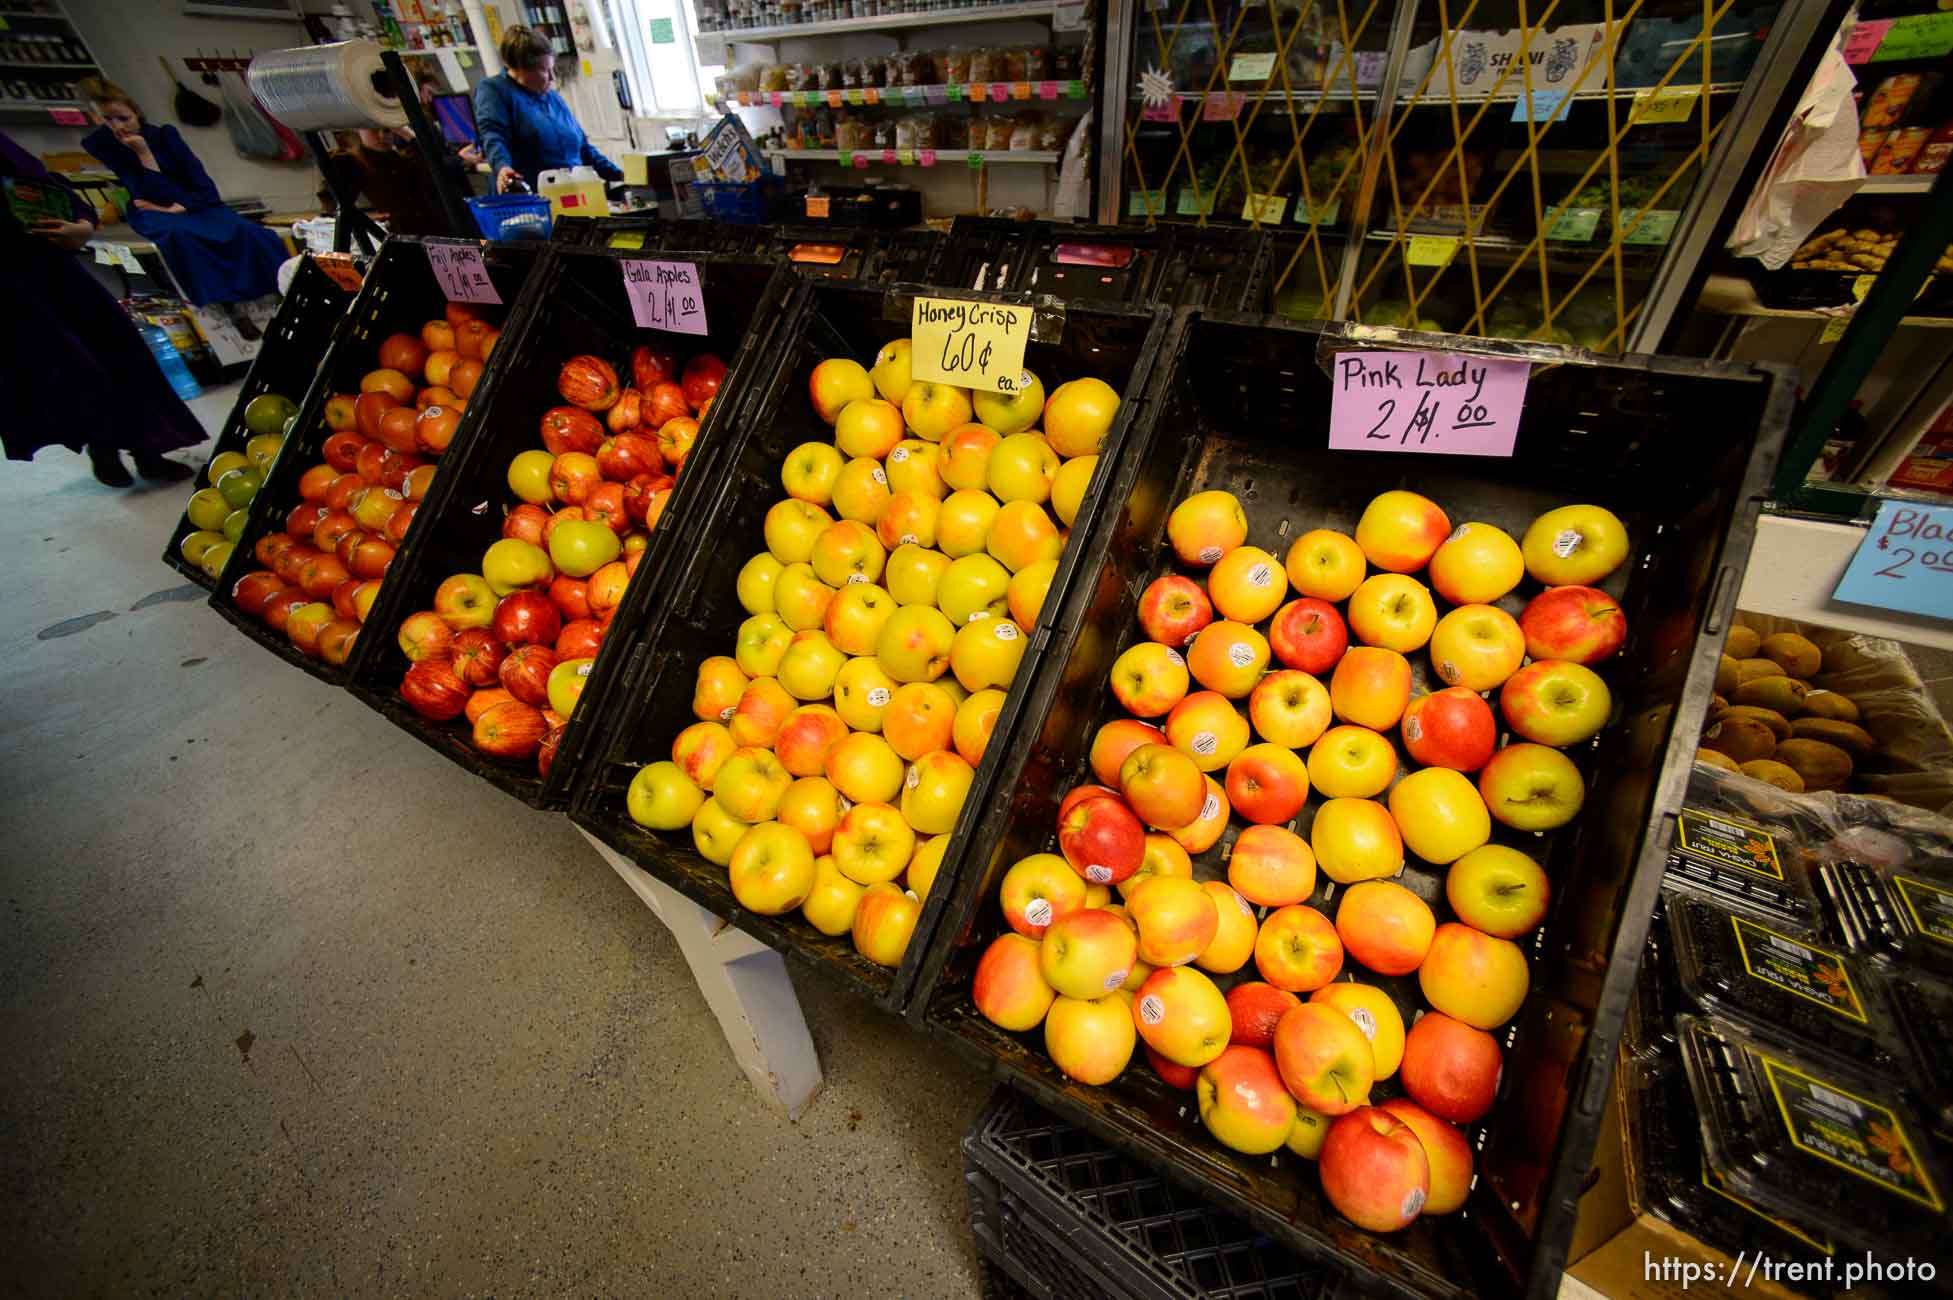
{"x": 526, "y": 128}
{"x": 216, "y": 255}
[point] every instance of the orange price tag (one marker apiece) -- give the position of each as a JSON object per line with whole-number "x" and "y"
{"x": 834, "y": 99}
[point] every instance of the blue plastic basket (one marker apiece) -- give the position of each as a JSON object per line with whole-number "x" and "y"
{"x": 511, "y": 216}
{"x": 745, "y": 203}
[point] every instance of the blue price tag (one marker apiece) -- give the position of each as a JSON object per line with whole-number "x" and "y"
{"x": 1905, "y": 562}
{"x": 1540, "y": 106}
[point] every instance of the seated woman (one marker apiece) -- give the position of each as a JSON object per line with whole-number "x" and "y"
{"x": 526, "y": 128}
{"x": 215, "y": 254}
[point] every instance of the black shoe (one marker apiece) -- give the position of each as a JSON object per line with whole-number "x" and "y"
{"x": 161, "y": 469}
{"x": 109, "y": 470}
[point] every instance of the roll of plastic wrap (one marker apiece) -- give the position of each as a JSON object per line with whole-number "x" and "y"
{"x": 325, "y": 87}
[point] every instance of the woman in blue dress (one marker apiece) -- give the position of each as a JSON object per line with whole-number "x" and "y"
{"x": 526, "y": 128}
{"x": 215, "y": 254}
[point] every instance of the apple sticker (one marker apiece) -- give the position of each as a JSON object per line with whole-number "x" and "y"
{"x": 1006, "y": 630}
{"x": 910, "y": 539}
{"x": 725, "y": 714}
{"x": 1099, "y": 875}
{"x": 1115, "y": 979}
{"x": 856, "y": 577}
{"x": 1151, "y": 1009}
{"x": 1205, "y": 743}
{"x": 1413, "y": 1202}
{"x": 1261, "y": 575}
{"x": 1210, "y": 554}
{"x": 1364, "y": 1021}
{"x": 914, "y": 777}
{"x": 899, "y": 455}
{"x": 1413, "y": 730}
{"x": 1567, "y": 542}
{"x": 878, "y": 476}
{"x": 878, "y": 697}
{"x": 1240, "y": 654}
{"x": 1039, "y": 914}
{"x": 1212, "y": 804}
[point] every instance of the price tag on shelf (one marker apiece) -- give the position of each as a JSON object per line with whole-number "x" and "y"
{"x": 974, "y": 158}
{"x": 1220, "y": 106}
{"x": 1905, "y": 562}
{"x": 1146, "y": 203}
{"x": 1654, "y": 226}
{"x": 1020, "y": 90}
{"x": 954, "y": 92}
{"x": 1432, "y": 250}
{"x": 665, "y": 296}
{"x": 927, "y": 157}
{"x": 1834, "y": 328}
{"x": 1864, "y": 40}
{"x": 1672, "y": 104}
{"x": 972, "y": 344}
{"x": 932, "y": 94}
{"x": 817, "y": 206}
{"x": 462, "y": 275}
{"x": 1186, "y": 204}
{"x": 1917, "y": 36}
{"x": 853, "y": 97}
{"x": 1441, "y": 402}
{"x": 861, "y": 161}
{"x": 744, "y": 99}
{"x": 1325, "y": 215}
{"x": 872, "y": 94}
{"x": 1252, "y": 67}
{"x": 1574, "y": 225}
{"x": 888, "y": 156}
{"x": 834, "y": 99}
{"x": 1541, "y": 106}
{"x": 775, "y": 97}
{"x": 979, "y": 91}
{"x": 999, "y": 92}
{"x": 847, "y": 157}
{"x": 1167, "y": 112}
{"x": 68, "y": 116}
{"x": 805, "y": 98}
{"x": 1047, "y": 90}
{"x": 1264, "y": 208}
{"x": 906, "y": 157}
{"x": 1074, "y": 90}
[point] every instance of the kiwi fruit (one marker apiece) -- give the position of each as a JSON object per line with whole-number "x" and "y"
{"x": 1741, "y": 738}
{"x": 1797, "y": 655}
{"x": 1748, "y": 670}
{"x": 1830, "y": 704}
{"x": 1822, "y": 765}
{"x": 1784, "y": 695}
{"x": 1848, "y": 736}
{"x": 1778, "y": 724}
{"x": 1742, "y": 642}
{"x": 1715, "y": 758}
{"x": 1771, "y": 772}
{"x": 1727, "y": 675}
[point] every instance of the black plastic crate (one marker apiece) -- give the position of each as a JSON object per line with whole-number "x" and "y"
{"x": 1176, "y": 265}
{"x": 700, "y": 612}
{"x": 579, "y": 306}
{"x": 401, "y": 293}
{"x": 647, "y": 232}
{"x": 873, "y": 207}
{"x": 1067, "y": 1216}
{"x": 289, "y": 356}
{"x": 1240, "y": 404}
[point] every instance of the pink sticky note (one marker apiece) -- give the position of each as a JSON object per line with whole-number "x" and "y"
{"x": 927, "y": 157}
{"x": 1864, "y": 39}
{"x": 999, "y": 92}
{"x": 888, "y": 156}
{"x": 861, "y": 160}
{"x": 1221, "y": 106}
{"x": 1047, "y": 90}
{"x": 1444, "y": 402}
{"x": 68, "y": 116}
{"x": 1167, "y": 112}
{"x": 665, "y": 296}
{"x": 461, "y": 273}
{"x": 775, "y": 96}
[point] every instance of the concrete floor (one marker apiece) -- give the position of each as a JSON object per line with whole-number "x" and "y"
{"x": 293, "y": 1006}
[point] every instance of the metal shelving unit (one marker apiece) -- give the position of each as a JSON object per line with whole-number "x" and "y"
{"x": 988, "y": 13}
{"x": 881, "y": 157}
{"x": 44, "y": 29}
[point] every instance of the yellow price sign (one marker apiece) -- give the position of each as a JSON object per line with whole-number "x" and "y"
{"x": 1672, "y": 104}
{"x": 978, "y": 345}
{"x": 1835, "y": 327}
{"x": 1432, "y": 250}
{"x": 1264, "y": 208}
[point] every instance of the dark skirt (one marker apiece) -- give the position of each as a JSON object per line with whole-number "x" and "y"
{"x": 214, "y": 254}
{"x": 75, "y": 371}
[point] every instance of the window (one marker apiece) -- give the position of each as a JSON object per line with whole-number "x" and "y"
{"x": 654, "y": 43}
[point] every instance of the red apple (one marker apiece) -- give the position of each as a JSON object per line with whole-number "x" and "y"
{"x": 425, "y": 635}
{"x": 477, "y": 656}
{"x": 664, "y": 403}
{"x": 703, "y": 375}
{"x": 1172, "y": 1073}
{"x": 580, "y": 638}
{"x": 571, "y": 428}
{"x": 1374, "y": 1170}
{"x": 396, "y": 428}
{"x": 527, "y": 618}
{"x": 526, "y": 523}
{"x": 652, "y": 365}
{"x": 1256, "y": 1009}
{"x": 304, "y": 519}
{"x": 395, "y": 528}
{"x": 1173, "y": 609}
{"x": 1451, "y": 728}
{"x": 605, "y": 504}
{"x": 432, "y": 690}
{"x": 525, "y": 674}
{"x": 1581, "y": 625}
{"x": 250, "y": 592}
{"x": 371, "y": 462}
{"x": 627, "y": 455}
{"x": 1450, "y": 1068}
{"x": 1102, "y": 840}
{"x": 369, "y": 409}
{"x": 366, "y": 556}
{"x": 278, "y": 609}
{"x": 1308, "y": 634}
{"x": 639, "y": 492}
{"x": 1079, "y": 794}
{"x": 1447, "y": 1150}
{"x": 339, "y": 412}
{"x": 511, "y": 730}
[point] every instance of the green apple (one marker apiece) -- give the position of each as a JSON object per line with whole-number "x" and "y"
{"x": 529, "y": 476}
{"x": 913, "y": 574}
{"x": 512, "y": 564}
{"x": 809, "y": 667}
{"x": 715, "y": 832}
{"x": 234, "y": 524}
{"x": 223, "y": 463}
{"x": 972, "y": 585}
{"x": 582, "y": 546}
{"x": 760, "y": 645}
{"x": 215, "y": 558}
{"x": 565, "y": 687}
{"x": 755, "y": 586}
{"x": 661, "y": 796}
{"x": 809, "y": 471}
{"x": 208, "y": 509}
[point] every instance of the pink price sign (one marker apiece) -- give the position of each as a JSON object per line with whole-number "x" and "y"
{"x": 462, "y": 275}
{"x": 665, "y": 296}
{"x": 1447, "y": 403}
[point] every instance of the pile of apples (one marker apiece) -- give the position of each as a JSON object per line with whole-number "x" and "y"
{"x": 1220, "y": 732}
{"x": 834, "y": 749}
{"x": 219, "y": 510}
{"x": 510, "y": 648}
{"x": 322, "y": 571}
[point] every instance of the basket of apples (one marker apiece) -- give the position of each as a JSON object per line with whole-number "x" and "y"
{"x": 590, "y": 430}
{"x": 389, "y": 400}
{"x": 1323, "y": 858}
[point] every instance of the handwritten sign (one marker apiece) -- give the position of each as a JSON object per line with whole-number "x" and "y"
{"x": 1221, "y": 106}
{"x": 1251, "y": 67}
{"x": 817, "y": 206}
{"x": 1432, "y": 250}
{"x": 1540, "y": 106}
{"x": 1146, "y": 203}
{"x": 1916, "y": 36}
{"x": 1863, "y": 41}
{"x": 1325, "y": 214}
{"x": 1440, "y": 402}
{"x": 461, "y": 273}
{"x": 1264, "y": 208}
{"x": 665, "y": 296}
{"x": 1671, "y": 104}
{"x": 1905, "y": 562}
{"x": 976, "y": 345}
{"x": 1654, "y": 226}
{"x": 1575, "y": 224}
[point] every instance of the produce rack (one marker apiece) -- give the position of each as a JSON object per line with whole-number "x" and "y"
{"x": 300, "y": 334}
{"x": 1067, "y": 1216}
{"x": 577, "y": 304}
{"x": 823, "y": 252}
{"x": 699, "y": 612}
{"x": 401, "y": 292}
{"x": 1236, "y": 404}
{"x": 1181, "y": 266}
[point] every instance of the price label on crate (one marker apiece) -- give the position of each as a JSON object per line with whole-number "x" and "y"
{"x": 665, "y": 296}
{"x": 1576, "y": 225}
{"x": 974, "y": 159}
{"x": 1653, "y": 226}
{"x": 1074, "y": 90}
{"x": 1541, "y": 106}
{"x": 1432, "y": 250}
{"x": 1146, "y": 203}
{"x": 979, "y": 91}
{"x": 931, "y": 94}
{"x": 1264, "y": 208}
{"x": 1670, "y": 104}
{"x": 1443, "y": 402}
{"x": 817, "y": 206}
{"x": 1905, "y": 562}
{"x": 954, "y": 93}
{"x": 846, "y": 158}
{"x": 1251, "y": 67}
{"x": 463, "y": 276}
{"x": 971, "y": 344}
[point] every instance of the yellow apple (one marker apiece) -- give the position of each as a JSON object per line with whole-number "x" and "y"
{"x": 1090, "y": 1039}
{"x": 1477, "y": 647}
{"x": 760, "y": 644}
{"x": 1206, "y": 727}
{"x": 1477, "y": 564}
{"x": 928, "y": 860}
{"x": 976, "y": 718}
{"x": 1176, "y": 917}
{"x": 1022, "y": 534}
{"x": 1087, "y": 953}
{"x": 860, "y": 492}
{"x": 1205, "y": 527}
{"x": 1164, "y": 857}
{"x": 933, "y": 409}
{"x": 973, "y": 585}
{"x": 966, "y": 457}
{"x": 909, "y": 519}
{"x": 1206, "y": 831}
{"x": 855, "y": 617}
{"x": 1356, "y": 839}
{"x": 915, "y": 644}
{"x": 809, "y": 472}
{"x": 834, "y": 383}
{"x": 913, "y": 574}
{"x": 916, "y": 466}
{"x": 1078, "y": 416}
{"x": 791, "y": 527}
{"x": 963, "y": 524}
{"x": 801, "y": 745}
{"x": 985, "y": 653}
{"x": 800, "y": 598}
{"x": 862, "y": 766}
{"x": 1375, "y": 1014}
{"x": 1351, "y": 762}
{"x": 918, "y": 719}
{"x": 1325, "y": 564}
{"x": 755, "y": 585}
{"x": 868, "y": 427}
{"x": 808, "y": 668}
{"x": 762, "y": 711}
{"x": 873, "y": 843}
{"x": 1289, "y": 707}
{"x": 1181, "y": 1015}
{"x": 663, "y": 797}
{"x": 1011, "y": 412}
{"x": 772, "y": 869}
{"x": 1068, "y": 489}
{"x": 830, "y": 904}
{"x": 1008, "y": 988}
{"x": 1226, "y": 657}
{"x": 862, "y": 692}
{"x": 751, "y": 784}
{"x": 1400, "y": 531}
{"x": 1243, "y": 1101}
{"x": 1028, "y": 588}
{"x": 813, "y": 807}
{"x": 1022, "y": 468}
{"x": 1248, "y": 585}
{"x": 1393, "y": 611}
{"x": 890, "y": 372}
{"x": 884, "y": 922}
{"x": 715, "y": 832}
{"x": 846, "y": 552}
{"x": 1474, "y": 977}
{"x": 1574, "y": 546}
{"x": 1234, "y": 939}
{"x": 700, "y": 748}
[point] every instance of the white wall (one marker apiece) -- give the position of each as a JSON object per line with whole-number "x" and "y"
{"x": 126, "y": 37}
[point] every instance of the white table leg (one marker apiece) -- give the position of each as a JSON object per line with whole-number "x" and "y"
{"x": 744, "y": 982}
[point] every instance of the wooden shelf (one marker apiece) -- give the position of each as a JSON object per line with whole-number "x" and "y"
{"x": 1898, "y": 184}
{"x": 1068, "y": 91}
{"x": 993, "y": 13}
{"x": 1730, "y": 295}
